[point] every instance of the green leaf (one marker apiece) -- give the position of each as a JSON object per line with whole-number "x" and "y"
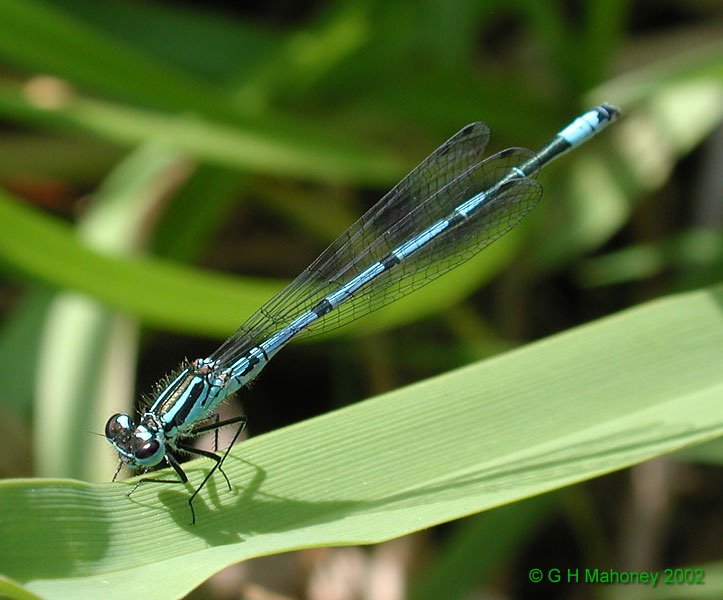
{"x": 693, "y": 249}
{"x": 161, "y": 292}
{"x": 12, "y": 589}
{"x": 277, "y": 145}
{"x": 215, "y": 47}
{"x": 590, "y": 401}
{"x": 48, "y": 40}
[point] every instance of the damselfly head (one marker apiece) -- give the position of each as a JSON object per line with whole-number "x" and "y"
{"x": 137, "y": 446}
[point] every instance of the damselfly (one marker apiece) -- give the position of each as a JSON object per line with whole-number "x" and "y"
{"x": 454, "y": 204}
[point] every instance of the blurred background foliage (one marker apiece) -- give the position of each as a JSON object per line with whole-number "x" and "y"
{"x": 167, "y": 166}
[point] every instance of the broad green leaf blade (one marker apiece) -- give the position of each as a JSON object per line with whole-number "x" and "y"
{"x": 598, "y": 398}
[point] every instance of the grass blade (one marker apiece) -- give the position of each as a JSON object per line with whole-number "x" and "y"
{"x": 590, "y": 401}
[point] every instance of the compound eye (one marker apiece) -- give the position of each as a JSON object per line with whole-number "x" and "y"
{"x": 147, "y": 450}
{"x": 118, "y": 427}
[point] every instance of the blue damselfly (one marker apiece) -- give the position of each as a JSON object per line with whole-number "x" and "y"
{"x": 454, "y": 204}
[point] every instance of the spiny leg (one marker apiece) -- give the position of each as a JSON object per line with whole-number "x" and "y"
{"x": 215, "y": 426}
{"x": 206, "y": 426}
{"x": 216, "y": 420}
{"x": 120, "y": 466}
{"x": 182, "y": 477}
{"x": 218, "y": 459}
{"x": 207, "y": 454}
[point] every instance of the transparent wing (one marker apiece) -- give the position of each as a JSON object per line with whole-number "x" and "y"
{"x": 419, "y": 201}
